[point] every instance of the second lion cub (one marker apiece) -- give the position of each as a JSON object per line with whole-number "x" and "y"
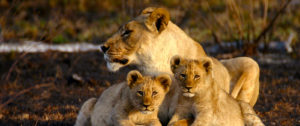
{"x": 202, "y": 100}
{"x": 127, "y": 104}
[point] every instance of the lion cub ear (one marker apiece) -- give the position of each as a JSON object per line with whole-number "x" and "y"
{"x": 133, "y": 78}
{"x": 165, "y": 81}
{"x": 158, "y": 19}
{"x": 175, "y": 62}
{"x": 207, "y": 64}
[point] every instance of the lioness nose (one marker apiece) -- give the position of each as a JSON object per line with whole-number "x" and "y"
{"x": 104, "y": 48}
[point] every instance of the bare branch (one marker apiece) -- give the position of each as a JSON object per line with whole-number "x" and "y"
{"x": 271, "y": 24}
{"x": 14, "y": 65}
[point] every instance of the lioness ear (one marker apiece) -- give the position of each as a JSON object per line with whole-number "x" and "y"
{"x": 158, "y": 19}
{"x": 134, "y": 77}
{"x": 175, "y": 62}
{"x": 165, "y": 81}
{"x": 148, "y": 10}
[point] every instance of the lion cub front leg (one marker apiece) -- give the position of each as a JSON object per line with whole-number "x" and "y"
{"x": 203, "y": 118}
{"x": 120, "y": 120}
{"x": 154, "y": 122}
{"x": 120, "y": 117}
{"x": 181, "y": 116}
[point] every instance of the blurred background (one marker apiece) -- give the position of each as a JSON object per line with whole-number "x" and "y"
{"x": 62, "y": 21}
{"x": 48, "y": 88}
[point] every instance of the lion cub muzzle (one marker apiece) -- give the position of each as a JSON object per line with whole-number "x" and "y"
{"x": 147, "y": 109}
{"x": 187, "y": 92}
{"x": 147, "y": 106}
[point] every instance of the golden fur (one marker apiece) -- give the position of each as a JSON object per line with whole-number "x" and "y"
{"x": 150, "y": 40}
{"x": 134, "y": 103}
{"x": 244, "y": 73}
{"x": 201, "y": 98}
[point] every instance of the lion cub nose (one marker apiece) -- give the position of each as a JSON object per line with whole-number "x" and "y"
{"x": 188, "y": 88}
{"x": 104, "y": 48}
{"x": 146, "y": 106}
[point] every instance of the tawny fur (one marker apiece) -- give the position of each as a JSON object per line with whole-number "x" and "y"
{"x": 150, "y": 46}
{"x": 151, "y": 49}
{"x": 153, "y": 40}
{"x": 244, "y": 73}
{"x": 126, "y": 104}
{"x": 83, "y": 118}
{"x": 201, "y": 98}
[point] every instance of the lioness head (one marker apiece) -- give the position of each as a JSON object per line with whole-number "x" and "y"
{"x": 121, "y": 49}
{"x": 191, "y": 74}
{"x": 147, "y": 93}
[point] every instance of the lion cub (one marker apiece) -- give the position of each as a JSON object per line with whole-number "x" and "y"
{"x": 202, "y": 100}
{"x": 133, "y": 103}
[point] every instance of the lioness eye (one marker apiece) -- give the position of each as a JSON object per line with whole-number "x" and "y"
{"x": 196, "y": 77}
{"x": 154, "y": 93}
{"x": 182, "y": 75}
{"x": 127, "y": 32}
{"x": 141, "y": 93}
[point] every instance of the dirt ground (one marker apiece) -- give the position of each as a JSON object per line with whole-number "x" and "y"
{"x": 49, "y": 88}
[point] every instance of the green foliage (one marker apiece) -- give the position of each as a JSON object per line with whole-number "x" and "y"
{"x": 59, "y": 39}
{"x": 61, "y": 21}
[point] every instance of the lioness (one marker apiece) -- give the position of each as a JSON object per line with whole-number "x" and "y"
{"x": 201, "y": 97}
{"x": 150, "y": 40}
{"x": 134, "y": 103}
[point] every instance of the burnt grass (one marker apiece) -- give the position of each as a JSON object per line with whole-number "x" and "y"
{"x": 72, "y": 78}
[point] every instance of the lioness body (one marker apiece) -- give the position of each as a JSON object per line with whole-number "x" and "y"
{"x": 244, "y": 73}
{"x": 128, "y": 104}
{"x": 150, "y": 48}
{"x": 201, "y": 98}
{"x": 150, "y": 40}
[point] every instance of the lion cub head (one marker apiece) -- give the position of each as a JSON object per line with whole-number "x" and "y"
{"x": 147, "y": 93}
{"x": 121, "y": 49}
{"x": 192, "y": 75}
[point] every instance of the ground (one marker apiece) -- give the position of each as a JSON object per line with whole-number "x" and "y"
{"x": 69, "y": 79}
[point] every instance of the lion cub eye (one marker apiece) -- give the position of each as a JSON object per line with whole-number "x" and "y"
{"x": 182, "y": 75}
{"x": 154, "y": 93}
{"x": 196, "y": 77}
{"x": 126, "y": 33}
{"x": 140, "y": 93}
